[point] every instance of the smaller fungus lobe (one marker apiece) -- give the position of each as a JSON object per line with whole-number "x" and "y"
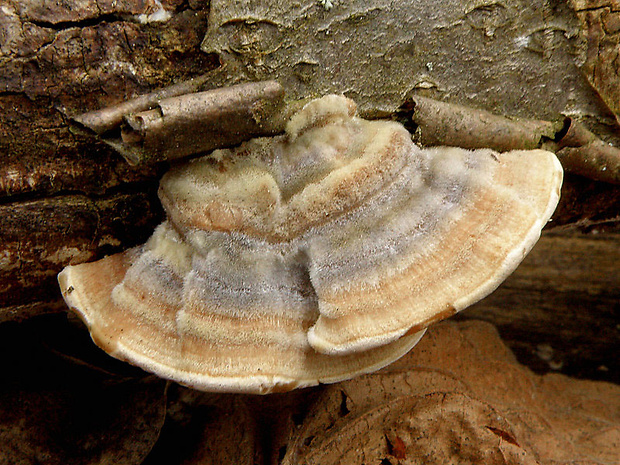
{"x": 314, "y": 256}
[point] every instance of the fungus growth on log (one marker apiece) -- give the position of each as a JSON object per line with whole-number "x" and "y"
{"x": 313, "y": 256}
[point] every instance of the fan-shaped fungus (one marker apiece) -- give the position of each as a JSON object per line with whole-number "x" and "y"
{"x": 313, "y": 256}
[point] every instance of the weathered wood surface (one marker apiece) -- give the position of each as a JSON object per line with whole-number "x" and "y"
{"x": 560, "y": 310}
{"x": 40, "y": 236}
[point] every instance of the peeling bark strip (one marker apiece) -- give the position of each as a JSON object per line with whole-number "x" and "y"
{"x": 223, "y": 117}
{"x": 584, "y": 153}
{"x": 109, "y": 118}
{"x": 443, "y": 123}
{"x": 580, "y": 151}
{"x": 155, "y": 129}
{"x": 177, "y": 121}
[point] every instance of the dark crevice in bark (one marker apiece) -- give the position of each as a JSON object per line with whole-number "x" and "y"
{"x": 81, "y": 23}
{"x": 146, "y": 186}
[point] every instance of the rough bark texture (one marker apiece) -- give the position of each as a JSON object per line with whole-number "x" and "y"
{"x": 67, "y": 197}
{"x": 600, "y": 25}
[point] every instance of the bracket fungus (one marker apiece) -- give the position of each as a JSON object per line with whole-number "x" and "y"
{"x": 313, "y": 256}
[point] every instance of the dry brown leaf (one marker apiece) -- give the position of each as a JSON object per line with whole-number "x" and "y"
{"x": 460, "y": 397}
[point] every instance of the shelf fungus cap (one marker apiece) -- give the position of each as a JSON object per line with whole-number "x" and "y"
{"x": 314, "y": 256}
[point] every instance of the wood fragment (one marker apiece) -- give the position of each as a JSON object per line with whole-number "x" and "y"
{"x": 441, "y": 123}
{"x": 39, "y": 237}
{"x": 109, "y": 118}
{"x": 582, "y": 152}
{"x": 569, "y": 276}
{"x": 170, "y": 124}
